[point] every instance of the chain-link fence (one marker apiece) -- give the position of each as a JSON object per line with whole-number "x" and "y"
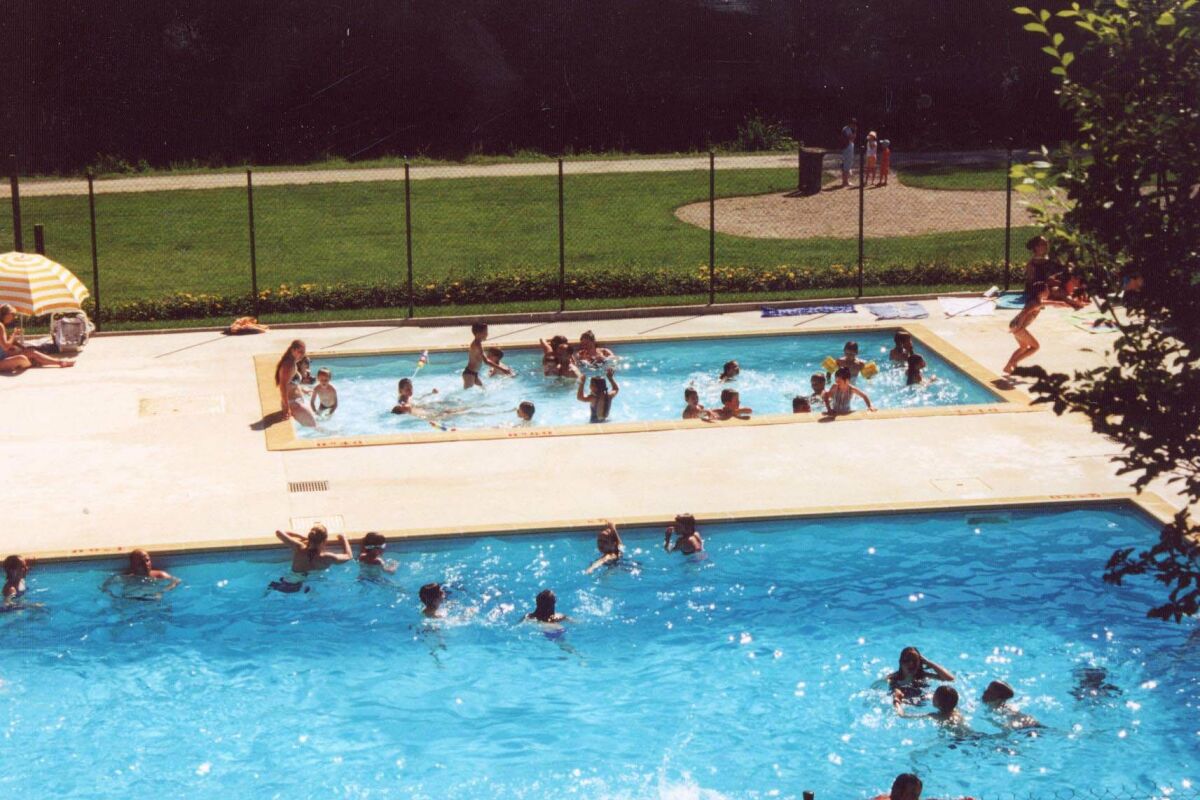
{"x": 535, "y": 235}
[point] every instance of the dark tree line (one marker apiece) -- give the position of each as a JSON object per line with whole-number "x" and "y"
{"x": 267, "y": 81}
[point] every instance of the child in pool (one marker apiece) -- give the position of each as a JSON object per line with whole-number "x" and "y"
{"x": 564, "y": 360}
{"x": 996, "y": 697}
{"x": 912, "y": 375}
{"x": 589, "y": 352}
{"x": 903, "y": 348}
{"x": 850, "y": 360}
{"x": 730, "y": 371}
{"x": 837, "y": 399}
{"x": 817, "y": 382}
{"x": 800, "y": 405}
{"x": 599, "y": 397}
{"x": 693, "y": 408}
{"x": 15, "y": 570}
{"x": 477, "y": 357}
{"x": 304, "y": 372}
{"x": 550, "y": 354}
{"x": 731, "y": 408}
{"x": 370, "y": 555}
{"x": 324, "y": 396}
{"x": 608, "y": 542}
{"x": 687, "y": 537}
{"x": 544, "y": 609}
{"x": 525, "y": 411}
{"x": 404, "y": 393}
{"x": 432, "y": 595}
{"x": 496, "y": 355}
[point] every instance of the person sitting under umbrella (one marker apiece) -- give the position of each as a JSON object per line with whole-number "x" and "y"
{"x": 15, "y": 356}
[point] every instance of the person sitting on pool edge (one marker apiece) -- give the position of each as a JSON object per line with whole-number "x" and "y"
{"x": 608, "y": 542}
{"x": 599, "y": 397}
{"x": 837, "y": 399}
{"x": 544, "y": 610}
{"x": 692, "y": 408}
{"x": 909, "y": 681}
{"x": 800, "y": 405}
{"x": 589, "y": 353}
{"x": 731, "y": 408}
{"x": 687, "y": 538}
{"x": 996, "y": 697}
{"x": 370, "y": 555}
{"x": 730, "y": 371}
{"x": 903, "y": 348}
{"x": 432, "y": 595}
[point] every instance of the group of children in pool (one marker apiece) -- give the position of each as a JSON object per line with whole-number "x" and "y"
{"x": 834, "y": 389}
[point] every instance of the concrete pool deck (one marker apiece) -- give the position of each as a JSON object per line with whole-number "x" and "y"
{"x": 157, "y": 440}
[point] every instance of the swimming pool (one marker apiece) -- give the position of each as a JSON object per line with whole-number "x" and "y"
{"x": 652, "y": 376}
{"x": 746, "y": 674}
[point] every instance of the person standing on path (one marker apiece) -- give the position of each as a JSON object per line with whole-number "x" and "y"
{"x": 849, "y": 134}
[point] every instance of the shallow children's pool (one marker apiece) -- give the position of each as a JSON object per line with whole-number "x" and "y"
{"x": 652, "y": 378}
{"x": 750, "y": 673}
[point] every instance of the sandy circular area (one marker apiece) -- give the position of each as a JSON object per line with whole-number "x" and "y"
{"x": 892, "y": 210}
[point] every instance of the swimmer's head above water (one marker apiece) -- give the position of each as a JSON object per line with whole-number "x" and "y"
{"x": 997, "y": 693}
{"x": 945, "y": 700}
{"x": 907, "y": 786}
{"x": 526, "y": 410}
{"x": 140, "y": 563}
{"x": 432, "y": 595}
{"x": 544, "y": 606}
{"x": 317, "y": 536}
{"x": 730, "y": 371}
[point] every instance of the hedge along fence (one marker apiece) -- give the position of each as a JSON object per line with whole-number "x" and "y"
{"x": 501, "y": 287}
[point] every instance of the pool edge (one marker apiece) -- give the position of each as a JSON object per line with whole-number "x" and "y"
{"x": 1152, "y": 505}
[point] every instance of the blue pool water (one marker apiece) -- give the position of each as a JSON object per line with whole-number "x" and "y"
{"x": 749, "y": 674}
{"x": 652, "y": 377}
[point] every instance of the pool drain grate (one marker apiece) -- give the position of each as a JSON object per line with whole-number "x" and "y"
{"x": 308, "y": 486}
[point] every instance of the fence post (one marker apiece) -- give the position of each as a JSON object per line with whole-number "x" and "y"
{"x": 799, "y": 166}
{"x": 15, "y": 184}
{"x": 253, "y": 252}
{"x": 1008, "y": 220}
{"x": 562, "y": 249}
{"x": 39, "y": 239}
{"x": 408, "y": 240}
{"x": 862, "y": 199}
{"x": 712, "y": 227}
{"x": 95, "y": 256}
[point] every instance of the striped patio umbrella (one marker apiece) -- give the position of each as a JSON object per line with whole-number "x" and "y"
{"x": 34, "y": 285}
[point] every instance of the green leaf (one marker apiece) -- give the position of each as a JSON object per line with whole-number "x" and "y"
{"x": 1165, "y": 18}
{"x": 1058, "y": 71}
{"x": 1023, "y": 10}
{"x": 1058, "y": 39}
{"x": 1045, "y": 15}
{"x": 1036, "y": 27}
{"x": 1068, "y": 13}
{"x": 1122, "y": 3}
{"x": 1067, "y": 58}
{"x": 1053, "y": 51}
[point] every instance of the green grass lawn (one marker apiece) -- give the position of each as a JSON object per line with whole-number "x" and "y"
{"x": 980, "y": 177}
{"x": 155, "y": 243}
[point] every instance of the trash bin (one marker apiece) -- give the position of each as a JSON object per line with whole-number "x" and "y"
{"x": 811, "y": 171}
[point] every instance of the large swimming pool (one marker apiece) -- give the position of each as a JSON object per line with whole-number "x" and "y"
{"x": 652, "y": 376}
{"x": 750, "y": 673}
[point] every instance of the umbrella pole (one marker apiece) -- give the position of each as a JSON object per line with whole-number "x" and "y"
{"x": 15, "y": 184}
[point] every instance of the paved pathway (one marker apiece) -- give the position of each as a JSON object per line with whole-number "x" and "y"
{"x": 226, "y": 180}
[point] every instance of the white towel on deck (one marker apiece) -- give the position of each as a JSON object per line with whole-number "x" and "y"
{"x": 967, "y": 306}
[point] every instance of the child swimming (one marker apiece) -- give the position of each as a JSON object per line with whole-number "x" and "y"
{"x": 432, "y": 595}
{"x": 731, "y": 408}
{"x": 589, "y": 352}
{"x": 850, "y": 360}
{"x": 550, "y": 354}
{"x": 800, "y": 405}
{"x": 692, "y": 408}
{"x": 525, "y": 411}
{"x": 544, "y": 609}
{"x": 324, "y": 397}
{"x": 817, "y": 382}
{"x": 687, "y": 537}
{"x": 370, "y": 555}
{"x": 912, "y": 374}
{"x": 730, "y": 371}
{"x": 837, "y": 399}
{"x": 404, "y": 393}
{"x": 599, "y": 397}
{"x": 496, "y": 355}
{"x": 608, "y": 542}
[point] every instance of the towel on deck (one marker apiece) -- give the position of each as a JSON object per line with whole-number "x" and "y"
{"x": 1011, "y": 300}
{"x": 910, "y": 310}
{"x": 968, "y": 306}
{"x": 806, "y": 310}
